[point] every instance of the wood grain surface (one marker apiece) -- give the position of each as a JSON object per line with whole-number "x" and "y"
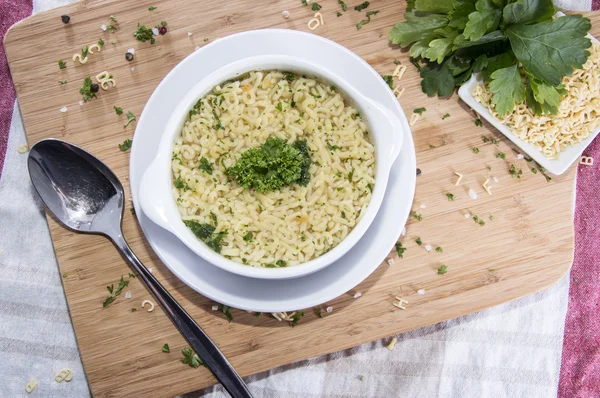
{"x": 527, "y": 247}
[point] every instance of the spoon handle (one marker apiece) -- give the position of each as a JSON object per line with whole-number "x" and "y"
{"x": 196, "y": 337}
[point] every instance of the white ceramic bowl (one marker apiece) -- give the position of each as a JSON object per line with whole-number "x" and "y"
{"x": 156, "y": 197}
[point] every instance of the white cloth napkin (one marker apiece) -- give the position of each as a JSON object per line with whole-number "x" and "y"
{"x": 512, "y": 350}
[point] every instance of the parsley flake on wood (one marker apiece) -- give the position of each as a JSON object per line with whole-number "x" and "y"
{"x": 514, "y": 172}
{"x": 450, "y": 197}
{"x": 478, "y": 123}
{"x": 362, "y": 6}
{"x": 133, "y": 309}
{"x": 439, "y": 249}
{"x": 143, "y": 34}
{"x": 418, "y": 241}
{"x": 316, "y": 7}
{"x": 343, "y": 5}
{"x": 61, "y": 64}
{"x": 125, "y": 145}
{"x": 416, "y": 215}
{"x": 501, "y": 155}
{"x": 152, "y": 8}
{"x": 400, "y": 249}
{"x": 61, "y": 82}
{"x": 366, "y": 21}
{"x": 86, "y": 90}
{"x": 130, "y": 118}
{"x": 475, "y": 150}
{"x": 389, "y": 79}
{"x": 339, "y": 14}
{"x": 118, "y": 110}
{"x": 191, "y": 358}
{"x": 225, "y": 309}
{"x": 446, "y": 116}
{"x": 442, "y": 270}
{"x": 419, "y": 110}
{"x": 296, "y": 318}
{"x": 165, "y": 348}
{"x": 101, "y": 42}
{"x": 122, "y": 284}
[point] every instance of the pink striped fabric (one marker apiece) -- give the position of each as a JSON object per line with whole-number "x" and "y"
{"x": 11, "y": 11}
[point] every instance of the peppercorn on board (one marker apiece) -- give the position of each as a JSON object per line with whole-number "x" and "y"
{"x": 525, "y": 246}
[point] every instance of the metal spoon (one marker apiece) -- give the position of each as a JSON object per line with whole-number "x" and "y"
{"x": 86, "y": 196}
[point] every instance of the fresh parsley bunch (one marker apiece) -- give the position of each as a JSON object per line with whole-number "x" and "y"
{"x": 522, "y": 52}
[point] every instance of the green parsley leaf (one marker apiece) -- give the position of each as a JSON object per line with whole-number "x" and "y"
{"x": 84, "y": 51}
{"x": 62, "y": 82}
{"x": 205, "y": 165}
{"x": 143, "y": 34}
{"x": 61, "y": 64}
{"x": 437, "y": 79}
{"x": 225, "y": 309}
{"x": 478, "y": 123}
{"x": 118, "y": 110}
{"x": 528, "y": 11}
{"x": 416, "y": 28}
{"x": 279, "y": 107}
{"x": 419, "y": 241}
{"x": 101, "y": 42}
{"x": 400, "y": 249}
{"x": 515, "y": 172}
{"x": 534, "y": 170}
{"x": 122, "y": 284}
{"x": 113, "y": 19}
{"x": 132, "y": 275}
{"x": 508, "y": 89}
{"x": 419, "y": 110}
{"x": 110, "y": 288}
{"x": 437, "y": 6}
{"x": 296, "y": 318}
{"x": 165, "y": 348}
{"x": 486, "y": 19}
{"x": 179, "y": 184}
{"x": 350, "y": 174}
{"x": 551, "y": 50}
{"x": 439, "y": 48}
{"x": 450, "y": 197}
{"x": 446, "y": 116}
{"x": 459, "y": 15}
{"x": 442, "y": 270}
{"x": 366, "y": 21}
{"x": 133, "y": 309}
{"x": 86, "y": 90}
{"x": 339, "y": 14}
{"x": 362, "y": 6}
{"x": 343, "y": 5}
{"x": 281, "y": 263}
{"x": 111, "y": 28}
{"x": 389, "y": 79}
{"x": 416, "y": 215}
{"x": 439, "y": 249}
{"x": 491, "y": 217}
{"x": 130, "y": 118}
{"x": 125, "y": 145}
{"x": 501, "y": 155}
{"x": 152, "y": 8}
{"x": 108, "y": 301}
{"x": 191, "y": 358}
{"x": 248, "y": 237}
{"x": 202, "y": 231}
{"x": 316, "y": 7}
{"x": 475, "y": 150}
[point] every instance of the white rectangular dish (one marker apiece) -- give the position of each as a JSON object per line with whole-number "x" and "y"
{"x": 555, "y": 166}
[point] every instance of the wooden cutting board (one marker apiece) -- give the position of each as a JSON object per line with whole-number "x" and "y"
{"x": 527, "y": 247}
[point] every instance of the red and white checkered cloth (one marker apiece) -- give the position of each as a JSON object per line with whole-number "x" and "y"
{"x": 532, "y": 347}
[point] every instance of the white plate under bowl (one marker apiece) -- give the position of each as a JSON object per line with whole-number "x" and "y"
{"x": 268, "y": 295}
{"x": 555, "y": 166}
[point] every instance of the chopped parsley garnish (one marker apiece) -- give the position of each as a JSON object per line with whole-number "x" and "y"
{"x": 439, "y": 249}
{"x": 218, "y": 125}
{"x": 111, "y": 27}
{"x": 248, "y": 237}
{"x": 273, "y": 165}
{"x": 316, "y": 6}
{"x": 258, "y": 314}
{"x": 205, "y": 39}
{"x": 62, "y": 64}
{"x": 125, "y": 145}
{"x": 122, "y": 285}
{"x": 143, "y": 34}
{"x": 501, "y": 155}
{"x": 485, "y": 139}
{"x": 339, "y": 14}
{"x": 491, "y": 217}
{"x": 332, "y": 147}
{"x": 366, "y": 21}
{"x": 86, "y": 89}
{"x": 416, "y": 215}
{"x": 279, "y": 107}
{"x": 213, "y": 217}
{"x": 205, "y": 165}
{"x": 442, "y": 270}
{"x": 206, "y": 232}
{"x": 343, "y": 214}
{"x": 495, "y": 142}
{"x": 534, "y": 170}
{"x": 343, "y": 5}
{"x": 400, "y": 249}
{"x": 446, "y": 116}
{"x": 101, "y": 42}
{"x": 118, "y": 110}
{"x": 84, "y": 51}
{"x": 62, "y": 82}
{"x": 488, "y": 167}
{"x": 130, "y": 118}
{"x": 132, "y": 210}
{"x": 362, "y": 6}
{"x": 165, "y": 348}
{"x": 132, "y": 275}
{"x": 133, "y": 309}
{"x": 419, "y": 110}
{"x": 113, "y": 19}
{"x": 227, "y": 313}
{"x": 478, "y": 122}
{"x": 281, "y": 263}
{"x": 191, "y": 358}
{"x": 450, "y": 197}
{"x": 419, "y": 241}
{"x": 475, "y": 150}
{"x": 179, "y": 184}
{"x": 351, "y": 174}
{"x": 514, "y": 172}
{"x": 389, "y": 79}
{"x": 152, "y": 8}
{"x": 296, "y": 317}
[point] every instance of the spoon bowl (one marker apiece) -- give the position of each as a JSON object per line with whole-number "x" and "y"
{"x": 86, "y": 196}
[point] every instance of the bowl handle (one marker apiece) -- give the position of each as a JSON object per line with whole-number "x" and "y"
{"x": 391, "y": 125}
{"x": 154, "y": 202}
